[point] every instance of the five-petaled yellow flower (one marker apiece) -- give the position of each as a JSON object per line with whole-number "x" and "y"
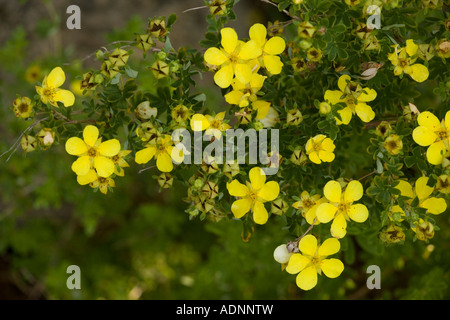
{"x": 213, "y": 125}
{"x": 253, "y": 195}
{"x": 308, "y": 205}
{"x": 313, "y": 260}
{"x": 164, "y": 151}
{"x": 340, "y": 207}
{"x": 433, "y": 134}
{"x": 320, "y": 149}
{"x": 404, "y": 62}
{"x": 50, "y": 91}
{"x": 95, "y": 181}
{"x": 270, "y": 49}
{"x": 242, "y": 94}
{"x": 232, "y": 59}
{"x": 422, "y": 191}
{"x": 93, "y": 153}
{"x": 354, "y": 97}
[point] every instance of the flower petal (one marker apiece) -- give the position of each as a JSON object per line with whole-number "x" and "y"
{"x": 308, "y": 245}
{"x": 199, "y": 122}
{"x": 273, "y": 64}
{"x": 65, "y": 96}
{"x": 314, "y": 157}
{"x": 250, "y": 50}
{"x": 411, "y": 47}
{"x": 262, "y": 107}
{"x": 419, "y": 72}
{"x": 224, "y": 76}
{"x": 358, "y": 212}
{"x": 229, "y": 39}
{"x": 325, "y": 212}
{"x": 339, "y": 226}
{"x": 353, "y": 192}
{"x": 307, "y": 279}
{"x": 257, "y": 178}
{"x": 429, "y": 120}
{"x": 275, "y": 45}
{"x": 82, "y": 166}
{"x": 367, "y": 95}
{"x": 326, "y": 156}
{"x": 258, "y": 33}
{"x": 164, "y": 162}
{"x": 364, "y": 112}
{"x": 269, "y": 191}
{"x": 234, "y": 97}
{"x": 423, "y": 136}
{"x": 91, "y": 176}
{"x": 343, "y": 82}
{"x": 145, "y": 155}
{"x": 333, "y": 191}
{"x": 423, "y": 191}
{"x": 105, "y": 167}
{"x": 241, "y": 207}
{"x": 332, "y": 267}
{"x": 109, "y": 148}
{"x": 333, "y": 96}
{"x": 237, "y": 189}
{"x": 56, "y": 78}
{"x": 90, "y": 135}
{"x": 346, "y": 116}
{"x": 436, "y": 153}
{"x": 405, "y": 188}
{"x": 75, "y": 146}
{"x": 243, "y": 72}
{"x": 215, "y": 56}
{"x": 434, "y": 205}
{"x": 329, "y": 247}
{"x": 297, "y": 263}
{"x": 260, "y": 215}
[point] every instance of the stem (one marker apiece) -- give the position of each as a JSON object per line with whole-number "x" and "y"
{"x": 368, "y": 175}
{"x": 284, "y": 11}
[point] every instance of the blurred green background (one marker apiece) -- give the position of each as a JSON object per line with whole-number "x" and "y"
{"x": 138, "y": 243}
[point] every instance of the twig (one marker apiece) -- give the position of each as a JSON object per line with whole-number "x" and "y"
{"x": 197, "y": 8}
{"x": 368, "y": 175}
{"x": 146, "y": 169}
{"x": 16, "y": 143}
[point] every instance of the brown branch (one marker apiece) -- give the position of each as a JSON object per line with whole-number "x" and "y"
{"x": 284, "y": 11}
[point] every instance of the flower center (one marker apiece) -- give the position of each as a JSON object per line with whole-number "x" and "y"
{"x": 403, "y": 63}
{"x": 343, "y": 207}
{"x": 23, "y": 107}
{"x": 92, "y": 152}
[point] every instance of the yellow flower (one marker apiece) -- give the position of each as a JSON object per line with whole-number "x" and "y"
{"x": 164, "y": 151}
{"x": 443, "y": 184}
{"x": 270, "y": 49}
{"x": 23, "y": 107}
{"x": 341, "y": 208}
{"x": 50, "y": 92}
{"x": 313, "y": 260}
{"x": 383, "y": 129}
{"x": 75, "y": 86}
{"x": 423, "y": 191}
{"x": 404, "y": 63}
{"x": 354, "y": 97}
{"x": 314, "y": 54}
{"x": 320, "y": 148}
{"x": 393, "y": 144}
{"x": 33, "y": 74}
{"x": 93, "y": 153}
{"x": 213, "y": 125}
{"x": 433, "y": 134}
{"x": 96, "y": 181}
{"x": 308, "y": 205}
{"x": 232, "y": 58}
{"x": 242, "y": 93}
{"x": 253, "y": 195}
{"x": 424, "y": 230}
{"x": 120, "y": 162}
{"x": 181, "y": 113}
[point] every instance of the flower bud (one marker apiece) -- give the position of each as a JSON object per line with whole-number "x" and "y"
{"x": 160, "y": 69}
{"x": 210, "y": 189}
{"x": 424, "y": 230}
{"x": 383, "y": 129}
{"x": 145, "y": 112}
{"x": 119, "y": 57}
{"x": 217, "y": 7}
{"x": 294, "y": 117}
{"x": 279, "y": 207}
{"x": 324, "y": 108}
{"x": 144, "y": 42}
{"x": 230, "y": 170}
{"x": 28, "y": 143}
{"x": 147, "y": 132}
{"x": 282, "y": 254}
{"x": 157, "y": 28}
{"x": 165, "y": 180}
{"x": 46, "y": 137}
{"x": 299, "y": 157}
